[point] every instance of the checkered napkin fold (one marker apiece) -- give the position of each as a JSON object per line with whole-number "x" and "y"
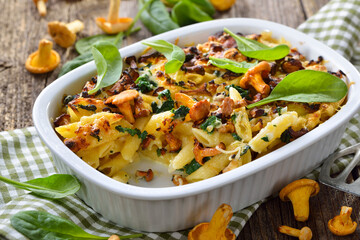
{"x": 23, "y": 156}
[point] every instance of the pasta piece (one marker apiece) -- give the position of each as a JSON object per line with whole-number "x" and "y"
{"x": 217, "y": 163}
{"x": 112, "y": 164}
{"x": 121, "y": 176}
{"x": 96, "y": 133}
{"x": 208, "y": 140}
{"x": 132, "y": 143}
{"x": 272, "y": 131}
{"x": 157, "y": 125}
{"x": 183, "y": 157}
{"x": 84, "y": 107}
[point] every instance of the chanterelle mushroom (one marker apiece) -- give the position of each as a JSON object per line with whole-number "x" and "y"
{"x": 303, "y": 234}
{"x": 41, "y": 6}
{"x": 222, "y": 5}
{"x": 299, "y": 192}
{"x": 216, "y": 228}
{"x": 113, "y": 24}
{"x": 44, "y": 59}
{"x": 64, "y": 34}
{"x": 253, "y": 77}
{"x": 198, "y": 110}
{"x": 342, "y": 224}
{"x": 122, "y": 101}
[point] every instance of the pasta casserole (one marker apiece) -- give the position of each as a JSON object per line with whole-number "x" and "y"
{"x": 194, "y": 120}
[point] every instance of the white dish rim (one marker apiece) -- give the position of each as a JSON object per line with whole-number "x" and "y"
{"x": 48, "y": 135}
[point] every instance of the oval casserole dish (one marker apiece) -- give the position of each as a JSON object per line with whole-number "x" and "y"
{"x": 175, "y": 208}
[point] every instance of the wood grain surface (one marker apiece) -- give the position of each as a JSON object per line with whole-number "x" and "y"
{"x": 22, "y": 28}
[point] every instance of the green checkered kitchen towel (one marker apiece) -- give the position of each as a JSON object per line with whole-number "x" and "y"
{"x": 23, "y": 156}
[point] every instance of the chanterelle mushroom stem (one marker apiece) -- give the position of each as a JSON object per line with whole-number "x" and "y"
{"x": 113, "y": 24}
{"x": 114, "y": 11}
{"x": 44, "y": 59}
{"x": 342, "y": 224}
{"x": 41, "y": 6}
{"x": 75, "y": 26}
{"x": 299, "y": 192}
{"x": 304, "y": 234}
{"x": 64, "y": 34}
{"x": 45, "y": 48}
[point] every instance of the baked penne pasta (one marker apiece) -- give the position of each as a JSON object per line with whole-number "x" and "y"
{"x": 195, "y": 121}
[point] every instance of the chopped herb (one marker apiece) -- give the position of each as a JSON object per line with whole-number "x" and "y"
{"x": 243, "y": 93}
{"x": 145, "y": 84}
{"x": 217, "y": 73}
{"x": 274, "y": 125}
{"x": 246, "y": 148}
{"x": 88, "y": 107}
{"x": 165, "y": 94}
{"x": 158, "y": 152}
{"x": 233, "y": 117}
{"x": 68, "y": 99}
{"x": 264, "y": 114}
{"x": 146, "y": 66}
{"x": 265, "y": 139}
{"x": 181, "y": 112}
{"x": 285, "y": 136}
{"x": 194, "y": 165}
{"x": 210, "y": 124}
{"x": 236, "y": 137}
{"x": 95, "y": 136}
{"x": 166, "y": 106}
{"x": 278, "y": 110}
{"x": 132, "y": 132}
{"x": 111, "y": 151}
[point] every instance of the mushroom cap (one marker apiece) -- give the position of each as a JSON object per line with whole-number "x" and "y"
{"x": 222, "y": 5}
{"x": 195, "y": 233}
{"x": 35, "y": 1}
{"x": 120, "y": 25}
{"x": 32, "y": 65}
{"x": 305, "y": 233}
{"x": 298, "y": 184}
{"x": 342, "y": 224}
{"x": 61, "y": 34}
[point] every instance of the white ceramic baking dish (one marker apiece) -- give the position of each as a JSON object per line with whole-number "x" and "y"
{"x": 175, "y": 208}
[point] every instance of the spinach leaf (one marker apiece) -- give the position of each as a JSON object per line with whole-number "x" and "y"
{"x": 132, "y": 132}
{"x": 254, "y": 49}
{"x": 265, "y": 139}
{"x": 156, "y": 18}
{"x": 108, "y": 64}
{"x": 307, "y": 86}
{"x": 191, "y": 167}
{"x": 76, "y": 62}
{"x": 38, "y": 225}
{"x": 181, "y": 112}
{"x": 236, "y": 67}
{"x": 245, "y": 150}
{"x": 286, "y": 136}
{"x": 145, "y": 84}
{"x": 52, "y": 187}
{"x": 165, "y": 106}
{"x": 84, "y": 45}
{"x": 210, "y": 124}
{"x": 165, "y": 94}
{"x": 174, "y": 54}
{"x": 243, "y": 92}
{"x": 187, "y": 12}
{"x": 236, "y": 137}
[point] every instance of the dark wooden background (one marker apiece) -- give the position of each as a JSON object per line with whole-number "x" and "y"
{"x": 21, "y": 28}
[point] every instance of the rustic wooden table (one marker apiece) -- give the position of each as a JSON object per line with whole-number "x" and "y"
{"x": 22, "y": 28}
